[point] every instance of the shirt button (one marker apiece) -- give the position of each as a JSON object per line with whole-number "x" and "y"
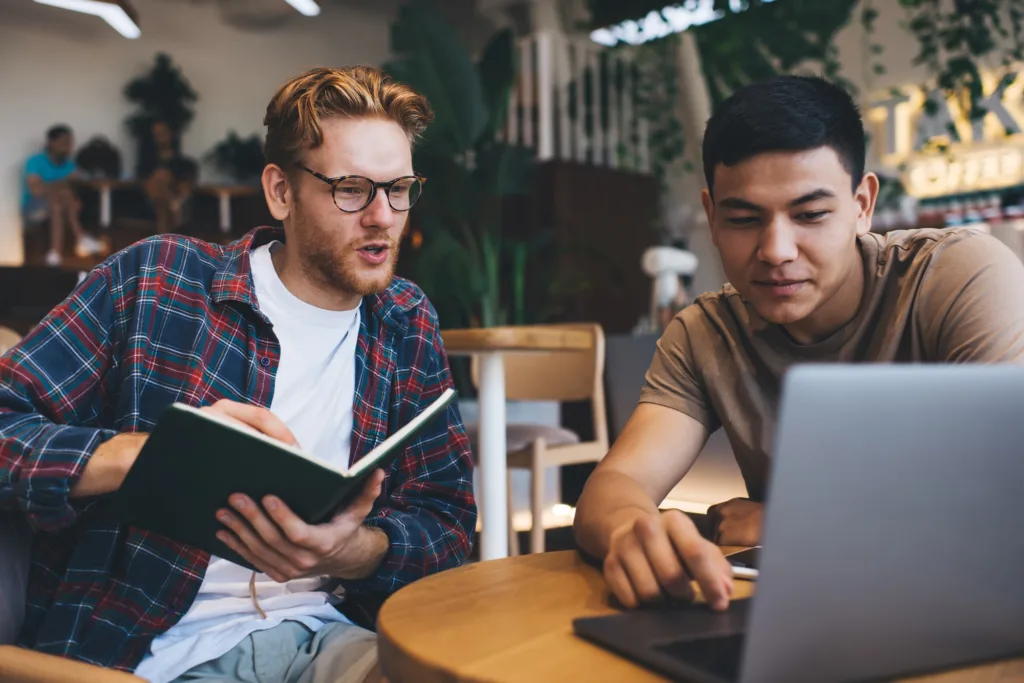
{"x": 265, "y": 361}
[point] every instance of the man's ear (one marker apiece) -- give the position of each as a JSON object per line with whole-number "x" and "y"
{"x": 278, "y": 192}
{"x": 865, "y": 196}
{"x": 709, "y": 210}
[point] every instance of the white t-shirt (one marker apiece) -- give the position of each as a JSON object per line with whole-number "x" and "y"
{"x": 314, "y": 390}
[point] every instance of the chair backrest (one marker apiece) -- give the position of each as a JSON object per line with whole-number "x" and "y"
{"x": 8, "y": 338}
{"x": 559, "y": 375}
{"x": 628, "y": 358}
{"x": 15, "y": 544}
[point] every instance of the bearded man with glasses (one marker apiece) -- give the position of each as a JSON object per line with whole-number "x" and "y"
{"x": 302, "y": 333}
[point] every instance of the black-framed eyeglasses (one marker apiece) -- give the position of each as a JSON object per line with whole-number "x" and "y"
{"x": 353, "y": 193}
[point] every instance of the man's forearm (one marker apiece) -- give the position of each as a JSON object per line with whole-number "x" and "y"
{"x": 108, "y": 465}
{"x": 370, "y": 546}
{"x": 610, "y": 500}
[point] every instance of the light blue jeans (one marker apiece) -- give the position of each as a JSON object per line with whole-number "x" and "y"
{"x": 291, "y": 653}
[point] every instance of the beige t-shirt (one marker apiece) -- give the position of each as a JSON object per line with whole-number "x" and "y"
{"x": 929, "y": 296}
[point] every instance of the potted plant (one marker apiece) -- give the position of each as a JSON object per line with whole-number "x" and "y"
{"x": 160, "y": 94}
{"x": 240, "y": 158}
{"x": 468, "y": 264}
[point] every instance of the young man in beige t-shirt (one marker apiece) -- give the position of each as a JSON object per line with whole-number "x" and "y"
{"x": 789, "y": 206}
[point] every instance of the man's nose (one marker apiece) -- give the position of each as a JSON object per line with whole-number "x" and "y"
{"x": 777, "y": 244}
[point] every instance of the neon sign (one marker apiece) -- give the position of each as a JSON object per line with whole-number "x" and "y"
{"x": 942, "y": 152}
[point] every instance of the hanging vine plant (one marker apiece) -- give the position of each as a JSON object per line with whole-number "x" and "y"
{"x": 657, "y": 95}
{"x": 771, "y": 38}
{"x": 957, "y": 39}
{"x": 751, "y": 42}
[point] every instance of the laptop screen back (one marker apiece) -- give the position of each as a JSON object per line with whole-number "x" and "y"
{"x": 893, "y": 539}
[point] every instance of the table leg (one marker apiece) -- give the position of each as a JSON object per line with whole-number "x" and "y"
{"x": 493, "y": 473}
{"x": 105, "y": 206}
{"x": 225, "y": 212}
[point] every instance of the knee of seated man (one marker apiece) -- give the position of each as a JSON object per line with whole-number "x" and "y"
{"x": 347, "y": 654}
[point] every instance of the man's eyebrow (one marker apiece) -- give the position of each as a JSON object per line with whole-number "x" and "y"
{"x": 820, "y": 193}
{"x": 737, "y": 203}
{"x": 743, "y": 204}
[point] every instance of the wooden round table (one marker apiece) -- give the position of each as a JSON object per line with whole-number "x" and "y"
{"x": 511, "y": 620}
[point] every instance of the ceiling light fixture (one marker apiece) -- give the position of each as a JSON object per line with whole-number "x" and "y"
{"x": 121, "y": 16}
{"x": 307, "y": 8}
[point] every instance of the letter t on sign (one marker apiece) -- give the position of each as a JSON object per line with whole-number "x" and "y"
{"x": 890, "y": 119}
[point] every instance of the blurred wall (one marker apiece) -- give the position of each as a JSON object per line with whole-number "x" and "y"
{"x": 61, "y": 66}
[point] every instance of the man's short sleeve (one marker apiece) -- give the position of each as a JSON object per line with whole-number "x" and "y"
{"x": 35, "y": 166}
{"x": 971, "y": 302}
{"x": 674, "y": 378}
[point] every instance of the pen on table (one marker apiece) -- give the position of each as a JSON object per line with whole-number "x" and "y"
{"x": 744, "y": 572}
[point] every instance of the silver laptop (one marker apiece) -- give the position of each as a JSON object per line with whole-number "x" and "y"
{"x": 893, "y": 541}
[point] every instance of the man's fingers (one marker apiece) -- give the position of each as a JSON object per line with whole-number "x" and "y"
{"x": 361, "y": 505}
{"x": 619, "y": 583}
{"x": 661, "y": 554}
{"x": 640, "y": 573}
{"x": 231, "y": 541}
{"x": 306, "y": 542}
{"x": 266, "y": 555}
{"x": 256, "y": 417}
{"x": 703, "y": 560}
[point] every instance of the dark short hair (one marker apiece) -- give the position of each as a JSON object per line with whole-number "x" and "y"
{"x": 785, "y": 113}
{"x": 58, "y": 131}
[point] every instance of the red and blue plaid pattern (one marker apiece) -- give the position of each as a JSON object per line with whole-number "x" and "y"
{"x": 175, "y": 319}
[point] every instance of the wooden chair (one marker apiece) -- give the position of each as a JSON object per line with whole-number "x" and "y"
{"x": 18, "y": 664}
{"x": 551, "y": 376}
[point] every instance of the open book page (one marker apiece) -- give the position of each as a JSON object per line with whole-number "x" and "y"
{"x": 369, "y": 460}
{"x": 250, "y": 431}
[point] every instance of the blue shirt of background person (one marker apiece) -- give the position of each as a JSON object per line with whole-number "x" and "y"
{"x": 49, "y": 169}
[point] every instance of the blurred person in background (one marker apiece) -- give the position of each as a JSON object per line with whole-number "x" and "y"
{"x": 48, "y": 196}
{"x": 167, "y": 176}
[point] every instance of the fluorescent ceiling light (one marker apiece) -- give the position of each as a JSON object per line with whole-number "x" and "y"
{"x": 118, "y": 13}
{"x": 307, "y": 8}
{"x": 669, "y": 20}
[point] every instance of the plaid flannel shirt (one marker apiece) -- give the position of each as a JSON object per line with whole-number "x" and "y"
{"x": 175, "y": 319}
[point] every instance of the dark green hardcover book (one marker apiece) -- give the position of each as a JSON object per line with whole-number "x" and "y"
{"x": 193, "y": 461}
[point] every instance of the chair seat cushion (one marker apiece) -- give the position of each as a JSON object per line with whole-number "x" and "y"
{"x": 520, "y": 436}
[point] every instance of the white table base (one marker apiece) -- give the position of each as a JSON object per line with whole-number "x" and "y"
{"x": 105, "y": 207}
{"x": 225, "y": 212}
{"x": 492, "y": 458}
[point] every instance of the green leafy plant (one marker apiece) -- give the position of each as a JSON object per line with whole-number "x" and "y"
{"x": 241, "y": 158}
{"x": 162, "y": 93}
{"x": 957, "y": 37}
{"x": 750, "y": 42}
{"x": 771, "y": 38}
{"x": 467, "y": 264}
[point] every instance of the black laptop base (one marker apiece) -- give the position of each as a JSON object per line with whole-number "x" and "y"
{"x": 688, "y": 642}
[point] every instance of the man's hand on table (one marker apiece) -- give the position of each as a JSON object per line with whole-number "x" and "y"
{"x": 655, "y": 556}
{"x": 737, "y": 522}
